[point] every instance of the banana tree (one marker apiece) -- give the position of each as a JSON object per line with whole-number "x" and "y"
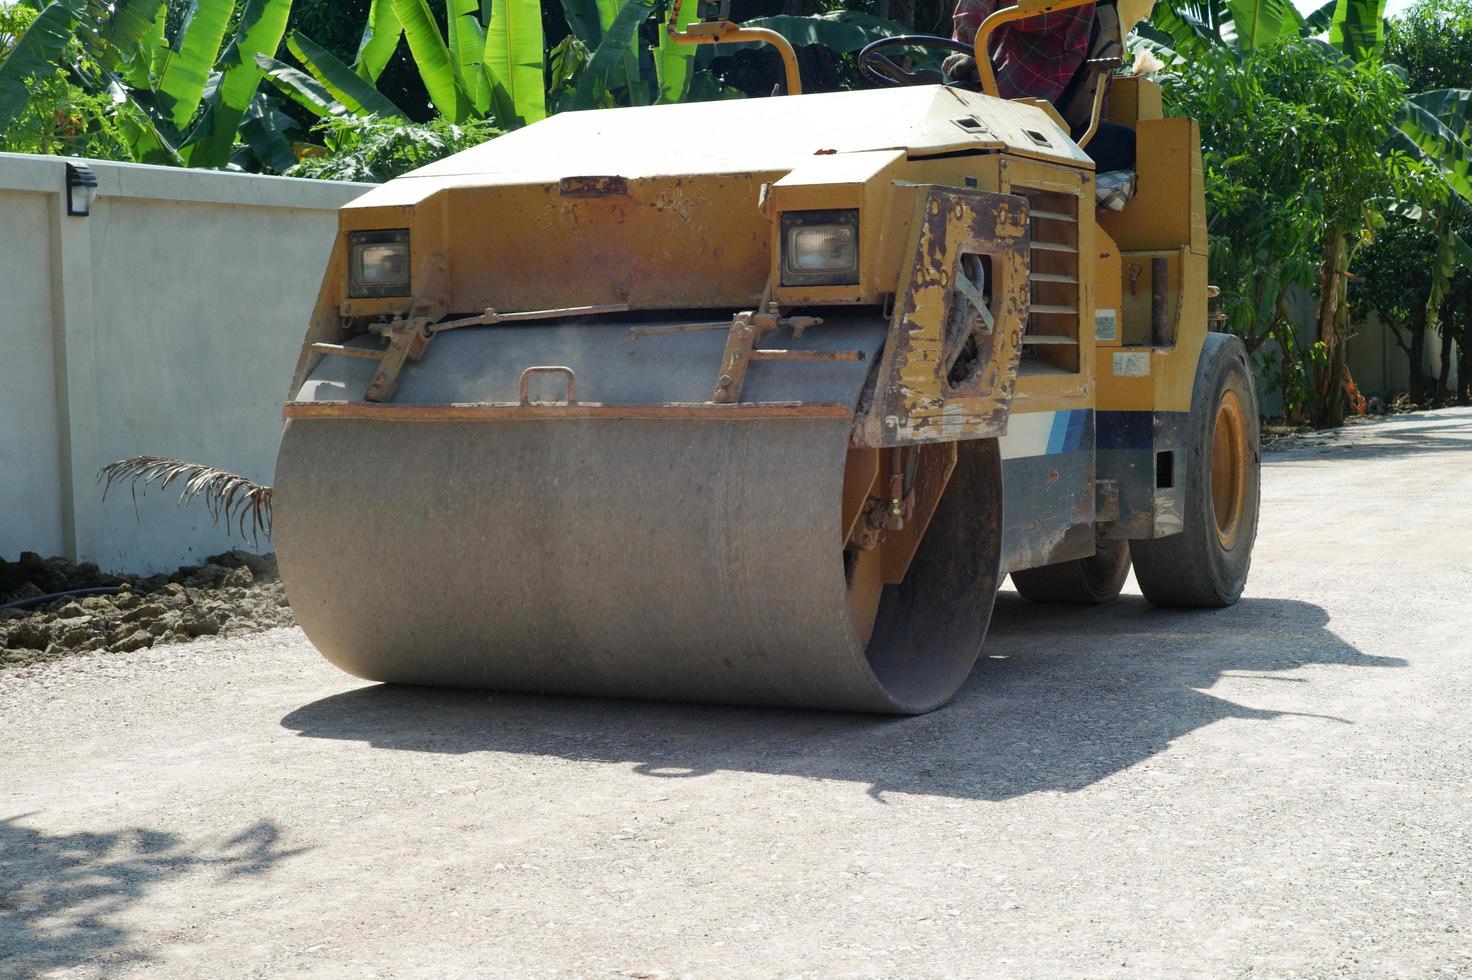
{"x": 489, "y": 62}
{"x": 1191, "y": 28}
{"x": 191, "y": 99}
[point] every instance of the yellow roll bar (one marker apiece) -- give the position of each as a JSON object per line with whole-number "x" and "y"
{"x": 724, "y": 32}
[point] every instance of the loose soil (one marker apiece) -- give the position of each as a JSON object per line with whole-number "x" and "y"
{"x": 235, "y": 592}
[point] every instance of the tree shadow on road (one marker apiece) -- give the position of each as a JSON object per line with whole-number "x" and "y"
{"x": 1447, "y": 433}
{"x": 62, "y": 896}
{"x": 1061, "y": 698}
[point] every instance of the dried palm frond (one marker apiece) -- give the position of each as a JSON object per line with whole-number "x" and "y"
{"x": 227, "y": 495}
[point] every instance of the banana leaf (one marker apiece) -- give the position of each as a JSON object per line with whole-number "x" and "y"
{"x": 627, "y": 68}
{"x": 1318, "y": 22}
{"x": 131, "y": 21}
{"x": 1452, "y": 107}
{"x": 266, "y": 131}
{"x": 189, "y": 63}
{"x": 360, "y": 97}
{"x": 468, "y": 47}
{"x": 301, "y": 88}
{"x": 842, "y": 31}
{"x": 1358, "y": 27}
{"x": 436, "y": 67}
{"x": 1462, "y": 250}
{"x": 262, "y": 24}
{"x": 585, "y": 20}
{"x": 514, "y": 59}
{"x": 152, "y": 136}
{"x": 565, "y": 63}
{"x": 1189, "y": 37}
{"x": 380, "y": 37}
{"x": 593, "y": 85}
{"x": 36, "y": 53}
{"x": 1260, "y": 22}
{"x": 156, "y": 45}
{"x": 1423, "y": 135}
{"x": 672, "y": 60}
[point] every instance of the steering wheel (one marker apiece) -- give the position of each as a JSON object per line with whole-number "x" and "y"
{"x": 878, "y": 67}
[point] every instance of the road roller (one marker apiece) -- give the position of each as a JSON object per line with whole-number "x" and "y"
{"x": 758, "y": 401}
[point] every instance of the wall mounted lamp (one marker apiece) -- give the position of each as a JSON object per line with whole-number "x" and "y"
{"x": 81, "y": 187}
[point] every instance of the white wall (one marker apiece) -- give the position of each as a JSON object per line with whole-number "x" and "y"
{"x": 166, "y": 324}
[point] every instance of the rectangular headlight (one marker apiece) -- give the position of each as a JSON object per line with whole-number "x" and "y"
{"x": 378, "y": 263}
{"x": 820, "y": 248}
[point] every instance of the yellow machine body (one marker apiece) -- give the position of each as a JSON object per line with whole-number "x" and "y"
{"x": 641, "y": 253}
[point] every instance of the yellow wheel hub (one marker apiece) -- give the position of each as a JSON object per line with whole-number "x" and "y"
{"x": 1229, "y": 469}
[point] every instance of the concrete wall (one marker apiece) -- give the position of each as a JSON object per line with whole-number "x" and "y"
{"x": 1376, "y": 362}
{"x": 165, "y": 324}
{"x": 1381, "y": 368}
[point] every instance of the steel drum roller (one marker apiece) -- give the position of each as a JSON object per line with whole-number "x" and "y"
{"x": 684, "y": 559}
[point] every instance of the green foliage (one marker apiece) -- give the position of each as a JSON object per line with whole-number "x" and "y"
{"x": 1296, "y": 179}
{"x": 609, "y": 61}
{"x": 175, "y": 100}
{"x": 371, "y": 148}
{"x": 56, "y": 116}
{"x": 1432, "y": 42}
{"x": 33, "y": 53}
{"x": 841, "y": 31}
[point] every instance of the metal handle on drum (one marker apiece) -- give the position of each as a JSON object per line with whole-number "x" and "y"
{"x": 571, "y": 396}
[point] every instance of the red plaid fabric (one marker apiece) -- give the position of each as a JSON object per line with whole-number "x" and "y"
{"x": 1036, "y": 57}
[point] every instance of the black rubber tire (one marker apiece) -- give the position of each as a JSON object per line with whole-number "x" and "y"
{"x": 1088, "y": 581}
{"x": 1194, "y": 568}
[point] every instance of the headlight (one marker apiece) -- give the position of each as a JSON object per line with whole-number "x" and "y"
{"x": 820, "y": 248}
{"x": 378, "y": 263}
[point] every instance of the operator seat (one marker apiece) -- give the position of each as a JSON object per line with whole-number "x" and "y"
{"x": 1112, "y": 147}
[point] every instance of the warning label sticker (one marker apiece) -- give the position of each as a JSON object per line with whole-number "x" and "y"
{"x": 1131, "y": 364}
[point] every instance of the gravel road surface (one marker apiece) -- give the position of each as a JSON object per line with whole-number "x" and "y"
{"x": 1280, "y": 789}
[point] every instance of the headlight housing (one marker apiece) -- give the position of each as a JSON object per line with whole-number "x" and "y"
{"x": 820, "y": 248}
{"x": 378, "y": 263}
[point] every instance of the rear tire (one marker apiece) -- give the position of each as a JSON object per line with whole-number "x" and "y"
{"x": 1091, "y": 581}
{"x": 1206, "y": 564}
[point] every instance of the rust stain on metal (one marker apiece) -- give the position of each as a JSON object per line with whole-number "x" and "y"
{"x": 922, "y": 396}
{"x": 609, "y": 186}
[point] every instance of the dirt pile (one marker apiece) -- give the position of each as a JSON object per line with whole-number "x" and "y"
{"x": 234, "y": 592}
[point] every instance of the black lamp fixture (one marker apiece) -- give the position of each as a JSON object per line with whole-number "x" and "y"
{"x": 81, "y": 187}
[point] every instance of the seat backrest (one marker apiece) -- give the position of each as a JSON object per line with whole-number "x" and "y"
{"x": 1076, "y": 104}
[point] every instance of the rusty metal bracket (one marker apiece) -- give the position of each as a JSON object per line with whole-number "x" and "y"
{"x": 747, "y": 330}
{"x": 408, "y": 337}
{"x": 491, "y": 317}
{"x": 366, "y": 353}
{"x": 739, "y": 344}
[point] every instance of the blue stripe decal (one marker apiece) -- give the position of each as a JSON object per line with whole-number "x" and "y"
{"x": 1068, "y": 431}
{"x": 1058, "y": 433}
{"x": 1078, "y": 424}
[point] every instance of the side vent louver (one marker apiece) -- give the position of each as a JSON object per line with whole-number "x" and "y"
{"x": 1051, "y": 340}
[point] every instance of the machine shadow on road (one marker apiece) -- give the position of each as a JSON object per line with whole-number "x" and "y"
{"x": 62, "y": 895}
{"x": 1061, "y": 698}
